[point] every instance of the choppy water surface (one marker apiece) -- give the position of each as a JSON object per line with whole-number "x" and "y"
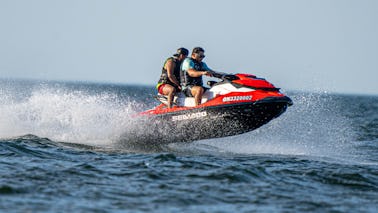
{"x": 61, "y": 149}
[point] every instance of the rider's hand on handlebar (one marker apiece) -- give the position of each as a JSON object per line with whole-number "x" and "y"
{"x": 207, "y": 73}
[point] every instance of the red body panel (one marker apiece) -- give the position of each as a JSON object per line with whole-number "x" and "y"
{"x": 252, "y": 81}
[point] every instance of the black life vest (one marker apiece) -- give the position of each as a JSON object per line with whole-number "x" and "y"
{"x": 176, "y": 72}
{"x": 187, "y": 80}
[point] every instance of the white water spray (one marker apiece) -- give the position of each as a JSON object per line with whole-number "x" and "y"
{"x": 311, "y": 127}
{"x": 65, "y": 115}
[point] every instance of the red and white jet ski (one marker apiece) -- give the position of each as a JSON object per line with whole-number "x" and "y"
{"x": 237, "y": 104}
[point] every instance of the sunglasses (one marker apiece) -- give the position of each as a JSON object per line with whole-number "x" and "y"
{"x": 201, "y": 55}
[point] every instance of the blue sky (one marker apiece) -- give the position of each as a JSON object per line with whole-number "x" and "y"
{"x": 311, "y": 45}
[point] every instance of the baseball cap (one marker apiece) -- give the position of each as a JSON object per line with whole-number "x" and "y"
{"x": 181, "y": 50}
{"x": 198, "y": 50}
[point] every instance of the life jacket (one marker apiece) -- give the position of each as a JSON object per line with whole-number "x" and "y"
{"x": 187, "y": 80}
{"x": 164, "y": 73}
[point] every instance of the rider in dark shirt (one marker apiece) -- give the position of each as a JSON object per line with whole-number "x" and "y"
{"x": 168, "y": 83}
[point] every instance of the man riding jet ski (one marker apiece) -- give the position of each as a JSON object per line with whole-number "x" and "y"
{"x": 168, "y": 83}
{"x": 192, "y": 70}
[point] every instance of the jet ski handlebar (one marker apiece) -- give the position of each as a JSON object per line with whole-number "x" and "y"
{"x": 224, "y": 76}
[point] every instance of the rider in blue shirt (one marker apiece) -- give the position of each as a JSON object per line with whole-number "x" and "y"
{"x": 192, "y": 70}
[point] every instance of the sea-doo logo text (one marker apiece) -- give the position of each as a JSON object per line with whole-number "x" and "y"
{"x": 237, "y": 98}
{"x": 189, "y": 116}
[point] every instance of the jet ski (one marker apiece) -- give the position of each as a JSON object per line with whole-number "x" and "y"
{"x": 238, "y": 103}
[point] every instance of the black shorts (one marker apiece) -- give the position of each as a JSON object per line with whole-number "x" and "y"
{"x": 188, "y": 90}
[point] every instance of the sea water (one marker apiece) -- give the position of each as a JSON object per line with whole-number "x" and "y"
{"x": 62, "y": 150}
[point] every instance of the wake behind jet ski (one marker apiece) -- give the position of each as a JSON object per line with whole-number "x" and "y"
{"x": 237, "y": 104}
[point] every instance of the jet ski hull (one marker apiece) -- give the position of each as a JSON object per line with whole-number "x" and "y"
{"x": 239, "y": 103}
{"x": 214, "y": 121}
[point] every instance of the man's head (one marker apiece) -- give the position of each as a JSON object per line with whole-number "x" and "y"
{"x": 181, "y": 53}
{"x": 198, "y": 53}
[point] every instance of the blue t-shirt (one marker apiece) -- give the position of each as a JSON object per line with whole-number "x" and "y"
{"x": 189, "y": 64}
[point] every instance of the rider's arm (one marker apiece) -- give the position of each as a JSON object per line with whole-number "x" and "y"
{"x": 170, "y": 66}
{"x": 209, "y": 72}
{"x": 195, "y": 73}
{"x": 188, "y": 65}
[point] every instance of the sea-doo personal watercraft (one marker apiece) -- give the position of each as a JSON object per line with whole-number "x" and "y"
{"x": 237, "y": 104}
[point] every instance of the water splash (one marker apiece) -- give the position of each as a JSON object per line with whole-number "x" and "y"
{"x": 65, "y": 115}
{"x": 313, "y": 126}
